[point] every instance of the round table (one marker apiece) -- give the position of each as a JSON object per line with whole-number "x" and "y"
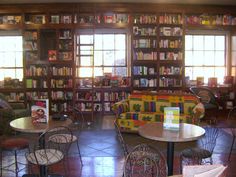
{"x": 156, "y": 131}
{"x": 25, "y": 124}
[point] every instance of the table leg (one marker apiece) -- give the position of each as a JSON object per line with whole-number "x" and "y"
{"x": 170, "y": 157}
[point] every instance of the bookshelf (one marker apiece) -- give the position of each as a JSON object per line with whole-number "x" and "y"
{"x": 144, "y": 60}
{"x": 171, "y": 70}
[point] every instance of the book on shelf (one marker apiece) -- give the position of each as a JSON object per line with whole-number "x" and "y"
{"x": 52, "y": 55}
{"x": 40, "y": 111}
{"x": 171, "y": 118}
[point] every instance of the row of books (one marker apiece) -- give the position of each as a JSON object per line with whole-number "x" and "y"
{"x": 61, "y": 71}
{"x": 61, "y": 95}
{"x": 145, "y": 19}
{"x": 147, "y": 31}
{"x": 166, "y": 43}
{"x": 170, "y": 70}
{"x": 115, "y": 96}
{"x": 144, "y": 82}
{"x": 170, "y": 82}
{"x": 145, "y": 43}
{"x": 145, "y": 55}
{"x": 36, "y": 95}
{"x": 10, "y": 19}
{"x": 36, "y": 71}
{"x": 143, "y": 70}
{"x": 171, "y": 31}
{"x": 206, "y": 19}
{"x": 171, "y": 55}
{"x": 30, "y": 45}
{"x": 30, "y": 35}
{"x": 33, "y": 83}
{"x": 61, "y": 107}
{"x": 61, "y": 83}
{"x": 53, "y": 55}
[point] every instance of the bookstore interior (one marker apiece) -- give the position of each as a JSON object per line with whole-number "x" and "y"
{"x": 91, "y": 55}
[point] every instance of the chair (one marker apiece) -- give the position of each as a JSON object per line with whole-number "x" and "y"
{"x": 232, "y": 116}
{"x": 46, "y": 152}
{"x": 144, "y": 160}
{"x": 75, "y": 139}
{"x": 121, "y": 139}
{"x": 199, "y": 155}
{"x": 12, "y": 144}
{"x": 210, "y": 102}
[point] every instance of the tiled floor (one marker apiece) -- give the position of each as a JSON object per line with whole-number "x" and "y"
{"x": 103, "y": 157}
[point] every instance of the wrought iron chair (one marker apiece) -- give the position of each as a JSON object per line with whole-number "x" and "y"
{"x": 74, "y": 130}
{"x": 232, "y": 117}
{"x": 121, "y": 139}
{"x": 199, "y": 155}
{"x": 144, "y": 160}
{"x": 46, "y": 152}
{"x": 210, "y": 101}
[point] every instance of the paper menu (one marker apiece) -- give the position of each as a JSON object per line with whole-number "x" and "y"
{"x": 171, "y": 118}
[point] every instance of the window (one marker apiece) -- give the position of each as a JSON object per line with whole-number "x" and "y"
{"x": 11, "y": 57}
{"x": 205, "y": 57}
{"x": 102, "y": 53}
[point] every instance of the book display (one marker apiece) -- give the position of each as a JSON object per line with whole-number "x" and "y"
{"x": 59, "y": 51}
{"x": 40, "y": 111}
{"x": 171, "y": 118}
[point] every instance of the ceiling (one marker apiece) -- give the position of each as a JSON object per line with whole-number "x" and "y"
{"x": 211, "y": 2}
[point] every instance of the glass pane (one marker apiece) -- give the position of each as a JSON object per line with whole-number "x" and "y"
{"x": 209, "y": 58}
{"x": 219, "y": 58}
{"x": 86, "y": 61}
{"x": 86, "y": 39}
{"x": 197, "y": 42}
{"x": 19, "y": 60}
{"x": 121, "y": 71}
{"x": 233, "y": 71}
{"x": 233, "y": 43}
{"x": 220, "y": 42}
{"x": 120, "y": 42}
{"x": 98, "y": 58}
{"x": 98, "y": 42}
{"x": 209, "y": 42}
{"x": 208, "y": 72}
{"x": 189, "y": 72}
{"x": 197, "y": 71}
{"x": 220, "y": 73}
{"x": 188, "y": 58}
{"x": 120, "y": 58}
{"x": 188, "y": 42}
{"x": 234, "y": 58}
{"x": 108, "y": 70}
{"x": 9, "y": 59}
{"x": 108, "y": 58}
{"x": 19, "y": 74}
{"x": 198, "y": 58}
{"x": 85, "y": 72}
{"x": 86, "y": 47}
{"x": 98, "y": 71}
{"x": 85, "y": 52}
{"x": 108, "y": 41}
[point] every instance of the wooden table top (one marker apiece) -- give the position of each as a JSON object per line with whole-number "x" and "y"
{"x": 186, "y": 132}
{"x": 26, "y": 125}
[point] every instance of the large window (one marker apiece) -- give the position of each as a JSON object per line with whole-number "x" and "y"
{"x": 205, "y": 57}
{"x": 11, "y": 57}
{"x": 102, "y": 53}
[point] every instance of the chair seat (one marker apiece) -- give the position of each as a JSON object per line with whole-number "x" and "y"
{"x": 63, "y": 138}
{"x": 45, "y": 156}
{"x": 14, "y": 144}
{"x": 196, "y": 153}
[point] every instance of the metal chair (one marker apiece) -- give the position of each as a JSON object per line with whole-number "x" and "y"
{"x": 121, "y": 139}
{"x": 144, "y": 160}
{"x": 13, "y": 144}
{"x": 199, "y": 155}
{"x": 232, "y": 116}
{"x": 210, "y": 101}
{"x": 46, "y": 152}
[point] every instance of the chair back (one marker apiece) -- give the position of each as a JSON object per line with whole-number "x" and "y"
{"x": 205, "y": 94}
{"x": 144, "y": 160}
{"x": 121, "y": 139}
{"x": 208, "y": 142}
{"x": 232, "y": 114}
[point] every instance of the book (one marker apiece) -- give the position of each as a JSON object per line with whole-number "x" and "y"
{"x": 52, "y": 55}
{"x": 171, "y": 118}
{"x": 40, "y": 111}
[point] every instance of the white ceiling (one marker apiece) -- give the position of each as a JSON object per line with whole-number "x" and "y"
{"x": 211, "y": 2}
